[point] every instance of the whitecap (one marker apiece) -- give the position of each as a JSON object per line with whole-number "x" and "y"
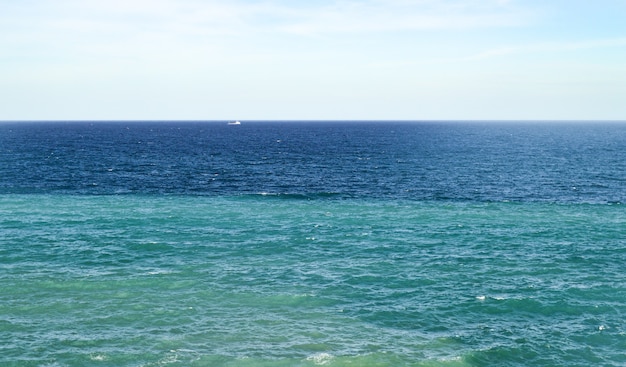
{"x": 158, "y": 272}
{"x": 97, "y": 357}
{"x": 320, "y": 358}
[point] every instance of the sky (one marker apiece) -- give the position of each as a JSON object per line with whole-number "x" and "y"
{"x": 313, "y": 60}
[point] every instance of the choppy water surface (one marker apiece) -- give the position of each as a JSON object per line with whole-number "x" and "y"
{"x": 553, "y": 162}
{"x": 459, "y": 249}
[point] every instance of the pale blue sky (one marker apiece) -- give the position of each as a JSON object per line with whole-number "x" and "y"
{"x": 302, "y": 60}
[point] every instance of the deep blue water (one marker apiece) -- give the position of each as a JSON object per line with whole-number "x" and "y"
{"x": 312, "y": 244}
{"x": 550, "y": 162}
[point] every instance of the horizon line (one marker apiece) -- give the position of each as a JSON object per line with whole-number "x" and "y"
{"x": 314, "y": 120}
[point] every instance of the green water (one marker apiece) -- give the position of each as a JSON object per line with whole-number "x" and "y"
{"x": 265, "y": 281}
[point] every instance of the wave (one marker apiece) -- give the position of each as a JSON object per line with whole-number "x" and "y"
{"x": 299, "y": 196}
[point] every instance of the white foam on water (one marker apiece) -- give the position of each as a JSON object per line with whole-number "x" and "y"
{"x": 98, "y": 357}
{"x": 320, "y": 358}
{"x": 159, "y": 272}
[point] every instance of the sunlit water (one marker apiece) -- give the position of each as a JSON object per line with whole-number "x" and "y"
{"x": 275, "y": 244}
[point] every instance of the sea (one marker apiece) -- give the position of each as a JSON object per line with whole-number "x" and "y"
{"x": 312, "y": 243}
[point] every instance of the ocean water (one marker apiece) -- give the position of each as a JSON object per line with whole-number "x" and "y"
{"x": 312, "y": 244}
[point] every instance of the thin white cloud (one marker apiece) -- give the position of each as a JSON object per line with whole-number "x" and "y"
{"x": 549, "y": 47}
{"x": 166, "y": 33}
{"x": 245, "y": 17}
{"x": 401, "y": 15}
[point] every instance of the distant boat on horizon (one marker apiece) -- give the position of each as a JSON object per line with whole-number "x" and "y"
{"x": 234, "y": 123}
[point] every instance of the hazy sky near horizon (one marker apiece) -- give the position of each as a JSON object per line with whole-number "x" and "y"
{"x": 303, "y": 60}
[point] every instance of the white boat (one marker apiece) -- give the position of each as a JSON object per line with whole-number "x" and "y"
{"x": 234, "y": 123}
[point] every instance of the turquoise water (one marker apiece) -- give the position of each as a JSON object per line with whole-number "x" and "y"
{"x": 150, "y": 244}
{"x": 272, "y": 280}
